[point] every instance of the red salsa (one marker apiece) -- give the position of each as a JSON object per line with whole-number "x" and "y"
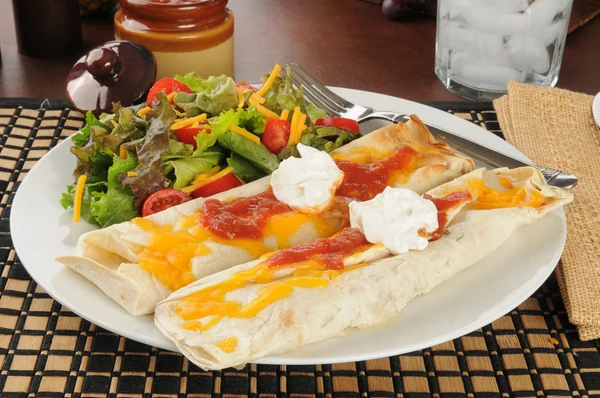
{"x": 443, "y": 205}
{"x": 242, "y": 217}
{"x": 328, "y": 252}
{"x": 365, "y": 181}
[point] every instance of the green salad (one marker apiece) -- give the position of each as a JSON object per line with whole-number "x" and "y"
{"x": 194, "y": 137}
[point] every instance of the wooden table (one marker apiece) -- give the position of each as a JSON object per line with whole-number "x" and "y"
{"x": 343, "y": 43}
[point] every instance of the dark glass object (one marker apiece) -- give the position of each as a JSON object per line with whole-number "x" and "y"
{"x": 118, "y": 71}
{"x": 47, "y": 28}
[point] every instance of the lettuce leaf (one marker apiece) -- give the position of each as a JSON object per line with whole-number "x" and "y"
{"x": 176, "y": 150}
{"x": 150, "y": 176}
{"x": 117, "y": 204}
{"x": 249, "y": 119}
{"x": 244, "y": 169}
{"x": 130, "y": 126}
{"x": 90, "y": 192}
{"x": 95, "y": 156}
{"x": 322, "y": 138}
{"x": 213, "y": 95}
{"x": 283, "y": 95}
{"x": 257, "y": 154}
{"x": 187, "y": 168}
{"x": 81, "y": 138}
{"x": 204, "y": 141}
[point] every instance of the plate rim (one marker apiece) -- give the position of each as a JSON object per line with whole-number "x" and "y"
{"x": 531, "y": 287}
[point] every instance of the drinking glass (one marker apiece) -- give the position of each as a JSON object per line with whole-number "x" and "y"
{"x": 482, "y": 44}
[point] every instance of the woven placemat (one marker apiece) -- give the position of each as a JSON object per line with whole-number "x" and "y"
{"x": 47, "y": 351}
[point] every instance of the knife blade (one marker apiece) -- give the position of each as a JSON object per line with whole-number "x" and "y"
{"x": 475, "y": 150}
{"x": 498, "y": 159}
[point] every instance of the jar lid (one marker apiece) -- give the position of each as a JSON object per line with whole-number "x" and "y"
{"x": 117, "y": 71}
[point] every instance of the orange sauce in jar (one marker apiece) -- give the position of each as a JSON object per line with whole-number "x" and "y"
{"x": 184, "y": 35}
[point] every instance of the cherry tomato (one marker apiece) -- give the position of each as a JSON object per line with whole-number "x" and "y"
{"x": 244, "y": 86}
{"x": 168, "y": 85}
{"x": 276, "y": 135}
{"x": 163, "y": 199}
{"x": 187, "y": 134}
{"x": 340, "y": 123}
{"x": 225, "y": 183}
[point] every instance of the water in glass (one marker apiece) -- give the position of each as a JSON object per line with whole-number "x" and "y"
{"x": 482, "y": 44}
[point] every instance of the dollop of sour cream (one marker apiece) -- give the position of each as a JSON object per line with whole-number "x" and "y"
{"x": 394, "y": 218}
{"x": 307, "y": 184}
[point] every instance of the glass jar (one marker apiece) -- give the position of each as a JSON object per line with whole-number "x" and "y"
{"x": 482, "y": 44}
{"x": 184, "y": 35}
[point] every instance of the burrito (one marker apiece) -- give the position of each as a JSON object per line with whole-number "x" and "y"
{"x": 320, "y": 289}
{"x": 140, "y": 262}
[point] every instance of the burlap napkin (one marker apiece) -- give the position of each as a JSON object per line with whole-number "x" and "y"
{"x": 555, "y": 128}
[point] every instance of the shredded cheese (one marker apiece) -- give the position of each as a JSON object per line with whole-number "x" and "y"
{"x": 132, "y": 174}
{"x": 144, "y": 111}
{"x": 244, "y": 133}
{"x": 206, "y": 174}
{"x": 78, "y": 198}
{"x": 240, "y": 96}
{"x": 269, "y": 81}
{"x": 188, "y": 122}
{"x": 295, "y": 117}
{"x": 268, "y": 114}
{"x": 298, "y": 129}
{"x": 207, "y": 181}
{"x": 284, "y": 115}
{"x": 114, "y": 123}
{"x": 258, "y": 98}
{"x": 122, "y": 152}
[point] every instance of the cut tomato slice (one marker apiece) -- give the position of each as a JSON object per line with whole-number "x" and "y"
{"x": 223, "y": 184}
{"x": 168, "y": 85}
{"x": 245, "y": 86}
{"x": 276, "y": 135}
{"x": 187, "y": 134}
{"x": 163, "y": 199}
{"x": 340, "y": 123}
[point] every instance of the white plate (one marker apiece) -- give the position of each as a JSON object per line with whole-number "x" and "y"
{"x": 42, "y": 230}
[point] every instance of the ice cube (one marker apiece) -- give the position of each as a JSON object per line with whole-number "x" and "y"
{"x": 551, "y": 33}
{"x": 458, "y": 60}
{"x": 488, "y": 77}
{"x": 488, "y": 74}
{"x": 505, "y": 5}
{"x": 455, "y": 8}
{"x": 457, "y": 38}
{"x": 529, "y": 54}
{"x": 541, "y": 13}
{"x": 498, "y": 23}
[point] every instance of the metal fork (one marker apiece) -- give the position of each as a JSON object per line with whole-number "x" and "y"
{"x": 324, "y": 98}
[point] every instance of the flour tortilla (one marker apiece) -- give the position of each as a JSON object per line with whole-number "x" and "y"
{"x": 108, "y": 258}
{"x": 364, "y": 297}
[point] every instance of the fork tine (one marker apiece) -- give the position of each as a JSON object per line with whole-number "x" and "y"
{"x": 315, "y": 101}
{"x": 336, "y": 99}
{"x": 316, "y": 96}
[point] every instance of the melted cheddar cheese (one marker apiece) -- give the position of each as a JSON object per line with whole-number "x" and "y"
{"x": 169, "y": 253}
{"x": 205, "y": 308}
{"x": 490, "y": 198}
{"x": 361, "y": 155}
